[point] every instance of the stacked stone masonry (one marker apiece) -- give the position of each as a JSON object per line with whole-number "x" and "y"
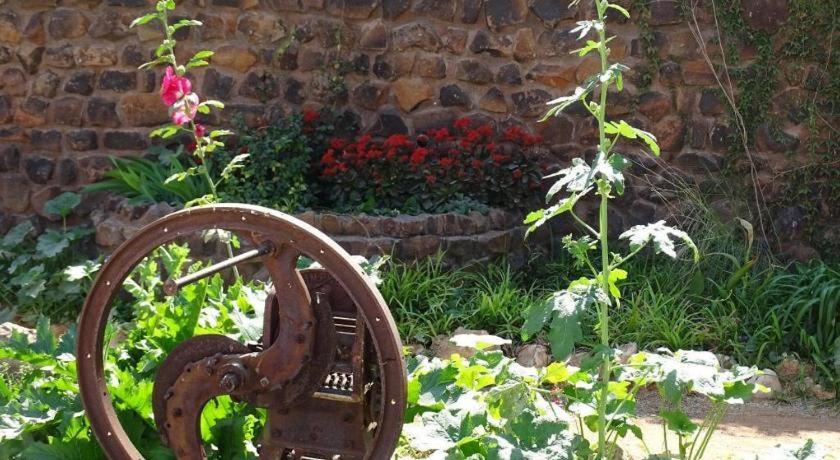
{"x": 71, "y": 94}
{"x": 465, "y": 238}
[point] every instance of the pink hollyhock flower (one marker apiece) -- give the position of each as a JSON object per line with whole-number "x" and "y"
{"x": 184, "y": 110}
{"x": 173, "y": 87}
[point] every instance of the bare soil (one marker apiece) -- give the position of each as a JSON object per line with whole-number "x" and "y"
{"x": 748, "y": 431}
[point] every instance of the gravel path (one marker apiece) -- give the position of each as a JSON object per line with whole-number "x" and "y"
{"x": 748, "y": 430}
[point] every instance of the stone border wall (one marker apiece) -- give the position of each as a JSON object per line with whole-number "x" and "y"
{"x": 465, "y": 238}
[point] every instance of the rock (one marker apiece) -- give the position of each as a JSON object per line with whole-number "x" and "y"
{"x": 765, "y": 15}
{"x": 509, "y": 74}
{"x": 45, "y": 84}
{"x": 261, "y": 85}
{"x": 32, "y": 112}
{"x": 439, "y": 9}
{"x": 238, "y": 58}
{"x": 80, "y": 82}
{"x": 493, "y": 44}
{"x": 698, "y": 73}
{"x": 654, "y": 105}
{"x": 260, "y": 28}
{"x": 216, "y": 85}
{"x": 525, "y": 45}
{"x": 125, "y": 140}
{"x": 711, "y": 102}
{"x": 557, "y": 43}
{"x": 556, "y": 130}
{"x": 9, "y": 27}
{"x": 109, "y": 233}
{"x": 454, "y": 96}
{"x": 67, "y": 173}
{"x": 701, "y": 162}
{"x": 39, "y": 169}
{"x": 670, "y": 74}
{"x": 558, "y": 76}
{"x": 45, "y": 139}
{"x": 61, "y": 57}
{"x": 415, "y": 35}
{"x": 471, "y": 10}
{"x": 533, "y": 355}
{"x": 670, "y": 133}
{"x": 91, "y": 169}
{"x": 109, "y": 25}
{"x": 119, "y": 81}
{"x": 67, "y": 23}
{"x": 374, "y": 37}
{"x": 721, "y": 137}
{"x": 493, "y": 101}
{"x": 81, "y": 140}
{"x": 143, "y": 110}
{"x": 771, "y": 381}
{"x": 9, "y": 158}
{"x": 352, "y": 9}
{"x": 370, "y": 95}
{"x": 392, "y": 9}
{"x": 14, "y": 193}
{"x": 530, "y": 103}
{"x": 9, "y": 329}
{"x": 430, "y": 66}
{"x": 30, "y": 56}
{"x": 411, "y": 92}
{"x": 664, "y": 12}
{"x": 13, "y": 82}
{"x": 388, "y": 121}
{"x": 443, "y": 348}
{"x": 817, "y": 391}
{"x": 102, "y": 112}
{"x": 551, "y": 12}
{"x": 626, "y": 351}
{"x": 726, "y": 361}
{"x": 775, "y": 139}
{"x": 95, "y": 56}
{"x": 454, "y": 40}
{"x": 503, "y": 13}
{"x": 473, "y": 71}
{"x": 5, "y": 109}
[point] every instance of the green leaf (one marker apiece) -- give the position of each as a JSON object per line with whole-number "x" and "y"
{"x": 625, "y": 130}
{"x": 478, "y": 341}
{"x": 575, "y": 178}
{"x": 234, "y": 164}
{"x": 590, "y": 46}
{"x": 51, "y": 244}
{"x": 17, "y": 234}
{"x": 557, "y": 372}
{"x": 63, "y": 204}
{"x": 146, "y": 18}
{"x": 678, "y": 422}
{"x": 662, "y": 236}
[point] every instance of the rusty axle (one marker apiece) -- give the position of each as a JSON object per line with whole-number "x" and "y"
{"x": 172, "y": 286}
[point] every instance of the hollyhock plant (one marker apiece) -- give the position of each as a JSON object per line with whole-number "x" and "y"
{"x": 173, "y": 87}
{"x": 185, "y": 105}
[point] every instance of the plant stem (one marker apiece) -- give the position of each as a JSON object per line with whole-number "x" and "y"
{"x": 603, "y": 307}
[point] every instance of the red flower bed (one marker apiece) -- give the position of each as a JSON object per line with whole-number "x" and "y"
{"x": 468, "y": 162}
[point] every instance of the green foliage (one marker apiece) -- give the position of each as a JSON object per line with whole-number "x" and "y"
{"x": 278, "y": 171}
{"x": 46, "y": 274}
{"x": 144, "y": 180}
{"x": 428, "y": 300}
{"x": 41, "y": 416}
{"x": 488, "y": 407}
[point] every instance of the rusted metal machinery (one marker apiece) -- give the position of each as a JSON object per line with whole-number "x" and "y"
{"x": 328, "y": 369}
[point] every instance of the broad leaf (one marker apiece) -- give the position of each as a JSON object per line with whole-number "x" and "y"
{"x": 575, "y": 178}
{"x": 662, "y": 236}
{"x": 63, "y": 204}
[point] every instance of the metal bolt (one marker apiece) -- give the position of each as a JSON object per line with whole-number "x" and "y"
{"x": 229, "y": 382}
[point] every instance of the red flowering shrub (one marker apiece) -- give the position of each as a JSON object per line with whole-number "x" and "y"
{"x": 468, "y": 162}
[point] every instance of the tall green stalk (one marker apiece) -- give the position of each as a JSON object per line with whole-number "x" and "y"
{"x": 603, "y": 225}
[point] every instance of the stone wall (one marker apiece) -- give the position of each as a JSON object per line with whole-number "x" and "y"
{"x": 465, "y": 238}
{"x": 70, "y": 94}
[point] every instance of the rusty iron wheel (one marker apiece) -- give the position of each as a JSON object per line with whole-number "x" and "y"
{"x": 294, "y": 235}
